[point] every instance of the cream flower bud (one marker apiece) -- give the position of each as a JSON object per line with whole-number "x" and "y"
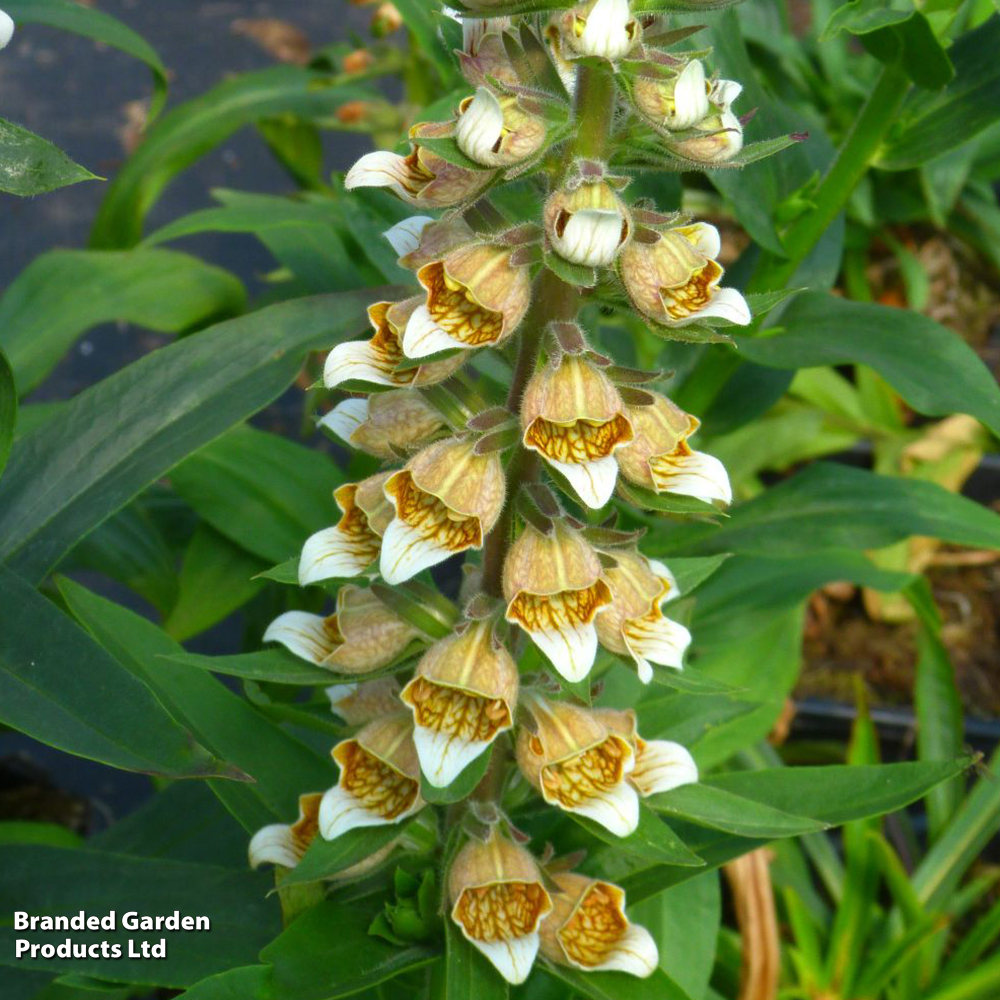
{"x": 678, "y": 103}
{"x": 463, "y": 696}
{"x": 485, "y": 56}
{"x": 660, "y": 765}
{"x": 475, "y": 29}
{"x": 6, "y": 29}
{"x": 446, "y": 500}
{"x": 675, "y": 280}
{"x": 362, "y": 635}
{"x": 353, "y": 543}
{"x": 497, "y": 132}
{"x": 281, "y": 844}
{"x": 475, "y": 298}
{"x": 357, "y": 704}
{"x": 376, "y": 360}
{"x": 603, "y": 28}
{"x": 588, "y": 929}
{"x": 633, "y": 624}
{"x": 421, "y": 178}
{"x": 554, "y": 590}
{"x": 498, "y": 901}
{"x": 721, "y": 139}
{"x": 578, "y": 765}
{"x": 404, "y": 237}
{"x": 572, "y": 415}
{"x": 379, "y": 779}
{"x": 588, "y": 225}
{"x": 660, "y": 458}
{"x": 384, "y": 423}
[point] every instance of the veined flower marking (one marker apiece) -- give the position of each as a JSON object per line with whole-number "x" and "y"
{"x": 554, "y": 590}
{"x": 463, "y": 696}
{"x": 588, "y": 929}
{"x": 574, "y": 418}
{"x": 352, "y": 544}
{"x": 578, "y": 765}
{"x": 384, "y": 423}
{"x": 376, "y": 360}
{"x": 498, "y": 901}
{"x": 283, "y": 844}
{"x": 475, "y": 298}
{"x": 588, "y": 224}
{"x": 602, "y": 28}
{"x": 446, "y": 499}
{"x": 360, "y": 636}
{"x": 634, "y": 624}
{"x": 660, "y": 458}
{"x": 675, "y": 280}
{"x": 379, "y": 778}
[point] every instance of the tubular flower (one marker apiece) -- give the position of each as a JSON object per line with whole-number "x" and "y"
{"x": 379, "y": 778}
{"x": 6, "y": 29}
{"x": 463, "y": 696}
{"x": 384, "y": 423}
{"x": 659, "y": 457}
{"x": 578, "y": 765}
{"x": 497, "y": 132}
{"x": 377, "y": 360}
{"x": 588, "y": 929}
{"x": 554, "y": 590}
{"x": 485, "y": 55}
{"x": 721, "y": 132}
{"x": 446, "y": 500}
{"x": 660, "y": 765}
{"x": 603, "y": 28}
{"x": 281, "y": 844}
{"x": 362, "y": 635}
{"x": 574, "y": 418}
{"x": 353, "y": 543}
{"x": 475, "y": 298}
{"x": 498, "y": 901}
{"x": 404, "y": 237}
{"x": 677, "y": 103}
{"x": 675, "y": 279}
{"x": 421, "y": 178}
{"x": 587, "y": 225}
{"x": 633, "y": 624}
{"x": 357, "y": 704}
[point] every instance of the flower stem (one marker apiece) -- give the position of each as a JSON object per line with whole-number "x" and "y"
{"x": 595, "y": 108}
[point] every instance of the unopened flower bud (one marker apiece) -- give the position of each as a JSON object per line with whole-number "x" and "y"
{"x": 588, "y": 929}
{"x": 588, "y": 225}
{"x": 578, "y": 765}
{"x": 362, "y": 635}
{"x": 675, "y": 280}
{"x": 385, "y": 422}
{"x": 660, "y": 765}
{"x": 379, "y": 779}
{"x": 573, "y": 416}
{"x": 446, "y": 500}
{"x": 6, "y": 29}
{"x": 485, "y": 55}
{"x": 475, "y": 298}
{"x": 463, "y": 696}
{"x": 357, "y": 61}
{"x": 404, "y": 237}
{"x": 377, "y": 360}
{"x": 386, "y": 20}
{"x": 359, "y": 703}
{"x": 659, "y": 456}
{"x": 498, "y": 901}
{"x": 679, "y": 102}
{"x": 354, "y": 112}
{"x": 602, "y": 28}
{"x": 421, "y": 178}
{"x": 283, "y": 844}
{"x": 497, "y": 132}
{"x": 721, "y": 139}
{"x": 475, "y": 29}
{"x": 554, "y": 590}
{"x": 633, "y": 624}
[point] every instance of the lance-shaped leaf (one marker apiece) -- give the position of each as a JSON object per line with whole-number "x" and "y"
{"x": 31, "y": 165}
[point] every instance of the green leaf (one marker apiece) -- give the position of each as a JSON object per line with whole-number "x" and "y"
{"x": 718, "y": 809}
{"x": 58, "y": 486}
{"x": 276, "y": 666}
{"x": 8, "y": 409}
{"x": 931, "y": 367}
{"x": 420, "y": 18}
{"x": 466, "y": 971}
{"x": 281, "y": 767}
{"x": 54, "y": 880}
{"x": 616, "y": 985}
{"x": 687, "y": 720}
{"x": 193, "y": 129}
{"x": 691, "y": 573}
{"x": 97, "y": 710}
{"x": 422, "y": 606}
{"x": 102, "y": 28}
{"x": 265, "y": 493}
{"x": 31, "y": 165}
{"x": 652, "y": 840}
{"x": 461, "y": 787}
{"x": 42, "y": 312}
{"x": 248, "y": 982}
{"x": 834, "y": 506}
{"x": 45, "y": 834}
{"x": 327, "y": 953}
{"x": 667, "y": 503}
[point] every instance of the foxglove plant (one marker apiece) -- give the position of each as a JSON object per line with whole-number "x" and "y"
{"x": 523, "y": 490}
